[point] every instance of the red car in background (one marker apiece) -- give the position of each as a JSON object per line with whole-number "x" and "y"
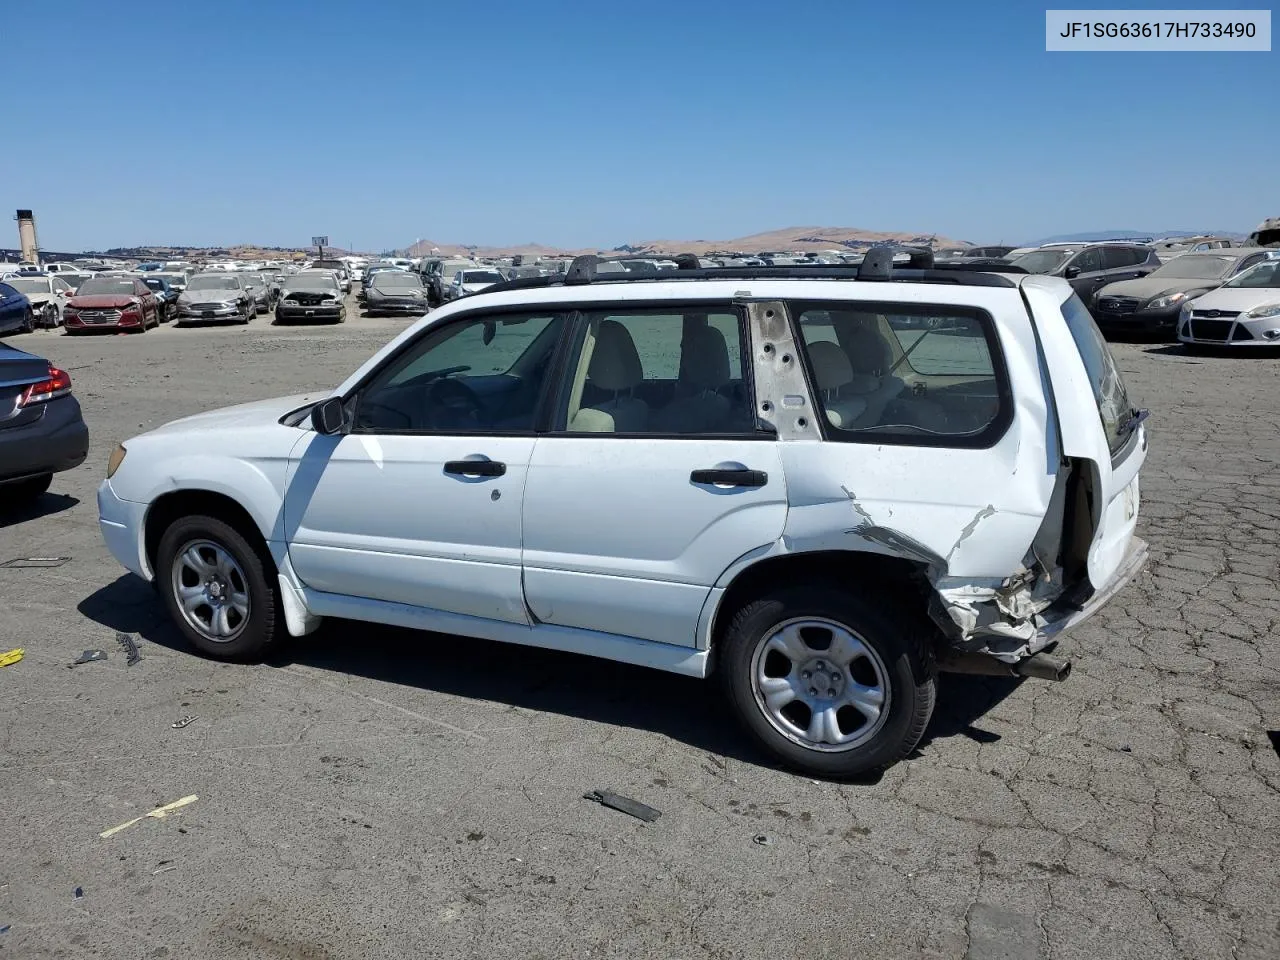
{"x": 111, "y": 303}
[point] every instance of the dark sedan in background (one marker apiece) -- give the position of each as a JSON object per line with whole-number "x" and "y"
{"x": 395, "y": 291}
{"x": 41, "y": 429}
{"x": 1155, "y": 301}
{"x": 15, "y": 311}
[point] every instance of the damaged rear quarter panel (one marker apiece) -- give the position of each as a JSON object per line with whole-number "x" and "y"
{"x": 973, "y": 512}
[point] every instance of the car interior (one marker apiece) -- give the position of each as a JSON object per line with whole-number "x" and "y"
{"x": 912, "y": 375}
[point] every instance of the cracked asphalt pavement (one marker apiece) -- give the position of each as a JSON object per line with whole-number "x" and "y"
{"x": 376, "y": 792}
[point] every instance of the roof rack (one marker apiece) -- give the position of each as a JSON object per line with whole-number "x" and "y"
{"x": 878, "y": 266}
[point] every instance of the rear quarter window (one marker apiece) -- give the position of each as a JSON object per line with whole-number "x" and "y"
{"x": 927, "y": 375}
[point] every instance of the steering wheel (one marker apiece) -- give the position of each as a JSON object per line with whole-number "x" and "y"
{"x": 451, "y": 404}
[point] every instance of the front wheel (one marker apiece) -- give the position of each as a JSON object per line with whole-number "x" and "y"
{"x": 217, "y": 588}
{"x": 831, "y": 684}
{"x": 28, "y": 321}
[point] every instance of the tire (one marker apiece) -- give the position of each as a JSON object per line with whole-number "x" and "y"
{"x": 892, "y": 660}
{"x": 24, "y": 491}
{"x": 233, "y": 635}
{"x": 50, "y": 317}
{"x": 28, "y": 321}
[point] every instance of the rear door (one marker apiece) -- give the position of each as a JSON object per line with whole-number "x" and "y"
{"x": 654, "y": 478}
{"x": 1092, "y": 276}
{"x": 1098, "y": 421}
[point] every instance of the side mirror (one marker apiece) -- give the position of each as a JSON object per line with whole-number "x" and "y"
{"x": 1071, "y": 273}
{"x": 328, "y": 416}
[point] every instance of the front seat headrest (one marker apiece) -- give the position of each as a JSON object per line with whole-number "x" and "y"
{"x": 615, "y": 364}
{"x": 831, "y": 366}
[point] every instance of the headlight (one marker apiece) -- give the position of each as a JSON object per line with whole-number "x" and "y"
{"x": 116, "y": 458}
{"x": 1266, "y": 310}
{"x": 1162, "y": 303}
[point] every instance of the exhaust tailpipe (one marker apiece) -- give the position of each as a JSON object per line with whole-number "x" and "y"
{"x": 1042, "y": 666}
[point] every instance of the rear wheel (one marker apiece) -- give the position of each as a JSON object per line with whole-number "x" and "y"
{"x": 26, "y": 490}
{"x": 217, "y": 587}
{"x": 831, "y": 684}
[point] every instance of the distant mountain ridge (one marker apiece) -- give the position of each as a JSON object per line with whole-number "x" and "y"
{"x": 808, "y": 239}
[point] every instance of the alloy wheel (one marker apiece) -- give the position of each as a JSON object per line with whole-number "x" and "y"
{"x": 820, "y": 685}
{"x": 211, "y": 590}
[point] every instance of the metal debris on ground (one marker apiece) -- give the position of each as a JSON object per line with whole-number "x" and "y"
{"x": 179, "y": 724}
{"x": 11, "y": 656}
{"x": 616, "y": 801}
{"x": 130, "y": 647}
{"x": 159, "y": 813}
{"x": 89, "y": 656}
{"x": 35, "y": 562}
{"x": 162, "y": 870}
{"x": 762, "y": 840}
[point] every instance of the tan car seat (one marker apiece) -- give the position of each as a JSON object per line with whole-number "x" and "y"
{"x": 615, "y": 368}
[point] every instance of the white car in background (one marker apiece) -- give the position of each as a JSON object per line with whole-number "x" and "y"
{"x": 48, "y": 295}
{"x": 823, "y": 489}
{"x": 473, "y": 281}
{"x": 1243, "y": 312}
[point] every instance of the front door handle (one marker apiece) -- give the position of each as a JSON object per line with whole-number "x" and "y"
{"x": 475, "y": 468}
{"x": 731, "y": 478}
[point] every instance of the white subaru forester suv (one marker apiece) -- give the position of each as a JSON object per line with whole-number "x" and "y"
{"x": 827, "y": 483}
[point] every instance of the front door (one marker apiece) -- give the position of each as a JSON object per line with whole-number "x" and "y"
{"x": 1092, "y": 275}
{"x": 654, "y": 478}
{"x": 420, "y": 503}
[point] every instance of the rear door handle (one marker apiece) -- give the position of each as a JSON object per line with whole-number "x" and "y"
{"x": 475, "y": 468}
{"x": 731, "y": 478}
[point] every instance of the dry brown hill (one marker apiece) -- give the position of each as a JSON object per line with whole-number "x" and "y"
{"x": 810, "y": 239}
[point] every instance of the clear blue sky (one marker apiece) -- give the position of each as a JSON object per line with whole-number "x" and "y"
{"x": 583, "y": 124}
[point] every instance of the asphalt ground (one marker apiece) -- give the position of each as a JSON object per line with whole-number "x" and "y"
{"x": 373, "y": 792}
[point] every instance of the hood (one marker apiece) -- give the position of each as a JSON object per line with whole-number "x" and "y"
{"x": 1145, "y": 288}
{"x": 210, "y": 296}
{"x": 257, "y": 413}
{"x": 103, "y": 301}
{"x": 288, "y": 291}
{"x": 475, "y": 287}
{"x": 1237, "y": 298}
{"x": 39, "y": 298}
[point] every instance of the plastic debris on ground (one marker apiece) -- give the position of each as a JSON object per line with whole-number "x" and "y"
{"x": 11, "y": 656}
{"x": 89, "y": 656}
{"x": 79, "y": 893}
{"x": 159, "y": 813}
{"x": 614, "y": 801}
{"x": 35, "y": 562}
{"x": 179, "y": 724}
{"x": 762, "y": 840}
{"x": 130, "y": 648}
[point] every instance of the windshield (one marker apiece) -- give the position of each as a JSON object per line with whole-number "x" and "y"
{"x": 481, "y": 276}
{"x": 1265, "y": 274}
{"x": 212, "y": 283}
{"x": 313, "y": 281}
{"x": 99, "y": 286}
{"x": 1042, "y": 261}
{"x": 1195, "y": 266}
{"x": 396, "y": 278}
{"x": 1109, "y": 392}
{"x": 28, "y": 285}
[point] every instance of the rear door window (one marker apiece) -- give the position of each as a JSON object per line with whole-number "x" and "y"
{"x": 1109, "y": 392}
{"x": 905, "y": 373}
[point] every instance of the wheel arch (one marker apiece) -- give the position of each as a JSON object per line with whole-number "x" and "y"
{"x": 171, "y": 506}
{"x": 898, "y": 580}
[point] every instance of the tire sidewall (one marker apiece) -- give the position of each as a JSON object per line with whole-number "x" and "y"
{"x": 910, "y": 676}
{"x": 259, "y": 631}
